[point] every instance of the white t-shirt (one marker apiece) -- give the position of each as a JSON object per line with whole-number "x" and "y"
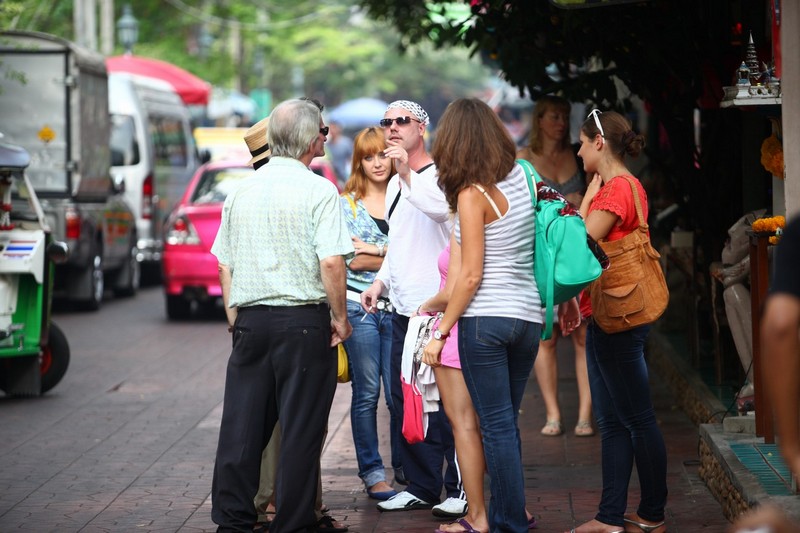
{"x": 419, "y": 229}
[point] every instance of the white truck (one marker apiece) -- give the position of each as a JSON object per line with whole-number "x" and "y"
{"x": 54, "y": 103}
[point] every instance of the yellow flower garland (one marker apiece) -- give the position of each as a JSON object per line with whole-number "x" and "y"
{"x": 772, "y": 155}
{"x": 770, "y": 225}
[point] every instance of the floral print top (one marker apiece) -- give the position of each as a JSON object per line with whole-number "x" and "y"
{"x": 361, "y": 224}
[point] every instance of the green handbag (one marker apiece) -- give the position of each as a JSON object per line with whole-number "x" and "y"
{"x": 563, "y": 261}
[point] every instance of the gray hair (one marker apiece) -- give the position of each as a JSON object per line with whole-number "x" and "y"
{"x": 293, "y": 126}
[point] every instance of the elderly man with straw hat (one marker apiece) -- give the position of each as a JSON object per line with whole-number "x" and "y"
{"x": 289, "y": 318}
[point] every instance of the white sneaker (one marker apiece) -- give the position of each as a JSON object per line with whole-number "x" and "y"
{"x": 450, "y": 508}
{"x": 403, "y": 501}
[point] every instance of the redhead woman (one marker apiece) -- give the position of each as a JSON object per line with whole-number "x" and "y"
{"x": 368, "y": 348}
{"x": 618, "y": 375}
{"x": 494, "y": 298}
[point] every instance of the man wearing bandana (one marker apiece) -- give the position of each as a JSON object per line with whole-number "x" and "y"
{"x": 420, "y": 223}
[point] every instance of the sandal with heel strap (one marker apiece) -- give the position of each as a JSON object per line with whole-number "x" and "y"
{"x": 644, "y": 528}
{"x": 552, "y": 428}
{"x": 584, "y": 429}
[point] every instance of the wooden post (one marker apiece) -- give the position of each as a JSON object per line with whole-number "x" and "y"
{"x": 759, "y": 283}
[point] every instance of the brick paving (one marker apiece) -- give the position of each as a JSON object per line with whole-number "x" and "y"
{"x": 126, "y": 442}
{"x": 562, "y": 473}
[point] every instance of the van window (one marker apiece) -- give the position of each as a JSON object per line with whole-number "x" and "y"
{"x": 169, "y": 141}
{"x": 124, "y": 147}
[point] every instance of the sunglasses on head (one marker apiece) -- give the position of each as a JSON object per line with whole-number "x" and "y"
{"x": 401, "y": 121}
{"x": 324, "y": 130}
{"x": 594, "y": 114}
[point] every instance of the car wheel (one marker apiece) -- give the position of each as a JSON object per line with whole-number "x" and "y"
{"x": 54, "y": 359}
{"x": 130, "y": 275}
{"x": 178, "y": 307}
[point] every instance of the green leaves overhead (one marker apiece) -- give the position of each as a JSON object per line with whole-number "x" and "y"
{"x": 327, "y": 49}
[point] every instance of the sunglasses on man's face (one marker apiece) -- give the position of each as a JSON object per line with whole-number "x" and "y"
{"x": 324, "y": 130}
{"x": 401, "y": 121}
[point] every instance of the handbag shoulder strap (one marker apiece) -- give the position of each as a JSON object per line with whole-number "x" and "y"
{"x": 352, "y": 203}
{"x": 530, "y": 170}
{"x": 397, "y": 198}
{"x": 642, "y": 222}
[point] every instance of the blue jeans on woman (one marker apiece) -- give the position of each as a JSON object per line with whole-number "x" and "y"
{"x": 497, "y": 356}
{"x": 624, "y": 410}
{"x": 369, "y": 355}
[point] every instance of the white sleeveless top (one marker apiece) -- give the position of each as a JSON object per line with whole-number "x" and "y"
{"x": 508, "y": 288}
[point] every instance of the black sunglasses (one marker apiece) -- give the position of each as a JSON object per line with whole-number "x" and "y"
{"x": 401, "y": 121}
{"x": 324, "y": 130}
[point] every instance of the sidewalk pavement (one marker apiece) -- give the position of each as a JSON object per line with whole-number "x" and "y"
{"x": 563, "y": 476}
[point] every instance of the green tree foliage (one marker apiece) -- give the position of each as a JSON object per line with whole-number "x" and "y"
{"x": 674, "y": 54}
{"x": 328, "y": 46}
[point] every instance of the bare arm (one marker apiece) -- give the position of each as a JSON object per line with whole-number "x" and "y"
{"x": 368, "y": 257}
{"x": 780, "y": 346}
{"x": 225, "y": 284}
{"x": 333, "y": 274}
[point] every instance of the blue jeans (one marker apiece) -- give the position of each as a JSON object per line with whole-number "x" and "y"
{"x": 496, "y": 359}
{"x": 369, "y": 351}
{"x": 627, "y": 421}
{"x": 423, "y": 461}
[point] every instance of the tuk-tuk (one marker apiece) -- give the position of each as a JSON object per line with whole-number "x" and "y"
{"x": 34, "y": 353}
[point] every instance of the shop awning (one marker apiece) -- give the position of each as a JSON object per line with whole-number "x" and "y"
{"x": 191, "y": 89}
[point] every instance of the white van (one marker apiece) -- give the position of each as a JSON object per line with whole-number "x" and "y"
{"x": 153, "y": 150}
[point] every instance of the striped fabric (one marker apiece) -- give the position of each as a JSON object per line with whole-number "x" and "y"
{"x": 508, "y": 288}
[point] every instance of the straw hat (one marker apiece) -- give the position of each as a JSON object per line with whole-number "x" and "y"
{"x": 256, "y": 139}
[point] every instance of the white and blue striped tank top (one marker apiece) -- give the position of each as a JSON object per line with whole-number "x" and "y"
{"x": 508, "y": 288}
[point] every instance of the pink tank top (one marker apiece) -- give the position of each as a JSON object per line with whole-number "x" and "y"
{"x": 450, "y": 349}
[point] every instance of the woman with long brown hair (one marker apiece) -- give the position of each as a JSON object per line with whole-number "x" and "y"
{"x": 494, "y": 298}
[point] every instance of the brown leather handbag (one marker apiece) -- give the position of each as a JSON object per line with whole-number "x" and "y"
{"x": 632, "y": 291}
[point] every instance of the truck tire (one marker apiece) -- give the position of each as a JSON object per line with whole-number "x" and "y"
{"x": 130, "y": 275}
{"x": 54, "y": 359}
{"x": 96, "y": 280}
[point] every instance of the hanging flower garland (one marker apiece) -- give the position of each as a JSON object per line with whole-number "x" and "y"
{"x": 772, "y": 152}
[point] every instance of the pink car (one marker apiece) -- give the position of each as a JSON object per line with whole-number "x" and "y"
{"x": 189, "y": 270}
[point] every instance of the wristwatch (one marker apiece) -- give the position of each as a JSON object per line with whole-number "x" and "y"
{"x": 439, "y": 336}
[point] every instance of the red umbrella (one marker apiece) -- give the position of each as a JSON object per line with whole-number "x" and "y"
{"x": 191, "y": 89}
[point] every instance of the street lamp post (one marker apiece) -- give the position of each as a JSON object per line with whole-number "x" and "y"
{"x": 128, "y": 29}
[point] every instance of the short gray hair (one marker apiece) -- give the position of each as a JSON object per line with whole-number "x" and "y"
{"x": 293, "y": 126}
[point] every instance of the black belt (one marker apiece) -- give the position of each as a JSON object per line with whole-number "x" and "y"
{"x": 320, "y": 306}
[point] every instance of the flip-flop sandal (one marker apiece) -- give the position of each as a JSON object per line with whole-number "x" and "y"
{"x": 463, "y": 523}
{"x": 532, "y": 523}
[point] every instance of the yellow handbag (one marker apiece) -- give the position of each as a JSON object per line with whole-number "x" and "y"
{"x": 343, "y": 373}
